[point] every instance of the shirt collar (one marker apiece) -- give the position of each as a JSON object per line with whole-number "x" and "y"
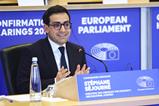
{"x": 54, "y": 45}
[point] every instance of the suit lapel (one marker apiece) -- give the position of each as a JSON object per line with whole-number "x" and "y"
{"x": 49, "y": 56}
{"x": 71, "y": 59}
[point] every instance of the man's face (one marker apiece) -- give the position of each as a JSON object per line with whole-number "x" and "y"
{"x": 59, "y": 28}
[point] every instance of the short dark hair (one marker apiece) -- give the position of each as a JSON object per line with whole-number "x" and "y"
{"x": 54, "y": 10}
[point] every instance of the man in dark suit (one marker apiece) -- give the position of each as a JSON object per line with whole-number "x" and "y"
{"x": 57, "y": 26}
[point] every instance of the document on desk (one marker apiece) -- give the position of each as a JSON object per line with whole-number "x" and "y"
{"x": 24, "y": 98}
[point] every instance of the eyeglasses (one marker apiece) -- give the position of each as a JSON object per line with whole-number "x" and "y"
{"x": 58, "y": 25}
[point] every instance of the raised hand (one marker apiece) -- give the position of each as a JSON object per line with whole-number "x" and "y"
{"x": 83, "y": 70}
{"x": 62, "y": 73}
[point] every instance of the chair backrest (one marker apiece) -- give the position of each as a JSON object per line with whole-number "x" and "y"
{"x": 10, "y": 57}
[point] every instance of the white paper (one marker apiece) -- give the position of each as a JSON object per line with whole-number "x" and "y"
{"x": 114, "y": 1}
{"x": 25, "y": 98}
{"x": 53, "y": 99}
{"x": 30, "y": 2}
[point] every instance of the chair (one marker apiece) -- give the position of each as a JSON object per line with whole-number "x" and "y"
{"x": 10, "y": 57}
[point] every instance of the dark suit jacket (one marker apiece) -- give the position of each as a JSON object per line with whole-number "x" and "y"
{"x": 47, "y": 65}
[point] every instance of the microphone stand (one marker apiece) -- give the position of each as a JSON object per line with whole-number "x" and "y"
{"x": 105, "y": 66}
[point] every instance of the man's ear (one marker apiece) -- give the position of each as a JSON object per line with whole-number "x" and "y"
{"x": 46, "y": 28}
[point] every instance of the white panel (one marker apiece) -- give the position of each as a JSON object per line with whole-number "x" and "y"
{"x": 30, "y": 2}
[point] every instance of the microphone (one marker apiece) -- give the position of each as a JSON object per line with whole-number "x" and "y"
{"x": 105, "y": 66}
{"x": 129, "y": 66}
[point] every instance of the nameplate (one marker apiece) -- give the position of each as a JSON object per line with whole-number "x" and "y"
{"x": 118, "y": 84}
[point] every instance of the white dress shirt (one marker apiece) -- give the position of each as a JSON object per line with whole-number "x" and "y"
{"x": 57, "y": 53}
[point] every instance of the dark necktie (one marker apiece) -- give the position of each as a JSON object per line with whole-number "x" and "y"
{"x": 62, "y": 60}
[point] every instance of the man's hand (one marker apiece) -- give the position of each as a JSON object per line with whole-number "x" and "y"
{"x": 62, "y": 73}
{"x": 83, "y": 70}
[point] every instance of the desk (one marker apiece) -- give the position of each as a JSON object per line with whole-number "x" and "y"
{"x": 129, "y": 101}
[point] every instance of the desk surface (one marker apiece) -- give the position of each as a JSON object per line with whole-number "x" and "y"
{"x": 129, "y": 101}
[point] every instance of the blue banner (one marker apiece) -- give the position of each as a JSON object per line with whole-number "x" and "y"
{"x": 155, "y": 37}
{"x": 110, "y": 35}
{"x": 18, "y": 27}
{"x": 118, "y": 84}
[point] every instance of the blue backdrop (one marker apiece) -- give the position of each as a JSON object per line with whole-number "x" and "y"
{"x": 119, "y": 49}
{"x": 155, "y": 37}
